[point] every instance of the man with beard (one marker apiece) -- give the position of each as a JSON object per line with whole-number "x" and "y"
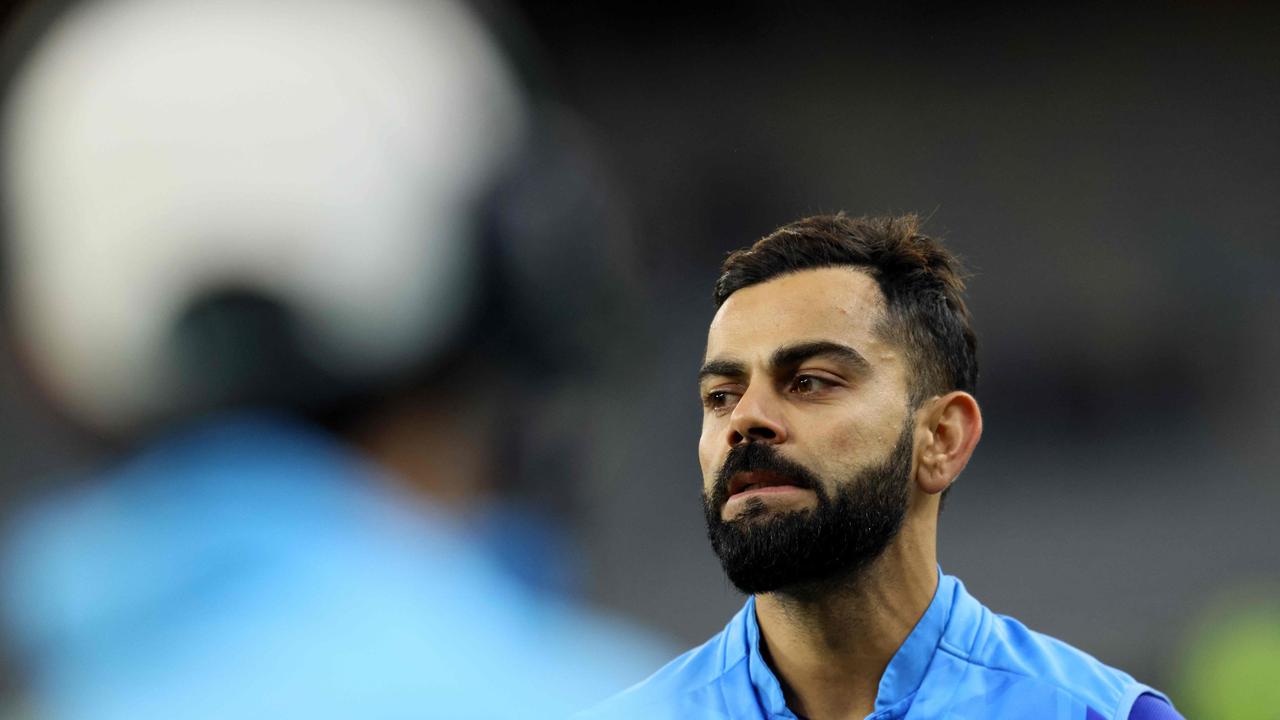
{"x": 838, "y": 409}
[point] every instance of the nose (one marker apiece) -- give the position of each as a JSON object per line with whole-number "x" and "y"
{"x": 756, "y": 418}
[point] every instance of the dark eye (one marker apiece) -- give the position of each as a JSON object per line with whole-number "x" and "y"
{"x": 718, "y": 399}
{"x": 808, "y": 384}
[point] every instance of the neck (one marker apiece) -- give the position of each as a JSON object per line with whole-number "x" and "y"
{"x": 830, "y": 646}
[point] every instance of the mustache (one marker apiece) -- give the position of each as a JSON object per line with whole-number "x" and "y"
{"x": 755, "y": 456}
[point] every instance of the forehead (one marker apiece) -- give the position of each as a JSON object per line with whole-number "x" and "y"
{"x": 841, "y": 304}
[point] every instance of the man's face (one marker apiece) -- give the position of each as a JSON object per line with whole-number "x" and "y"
{"x": 807, "y": 441}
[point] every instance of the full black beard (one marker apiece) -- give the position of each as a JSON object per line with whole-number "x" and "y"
{"x": 804, "y": 551}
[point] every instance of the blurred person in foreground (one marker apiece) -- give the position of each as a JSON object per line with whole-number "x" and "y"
{"x": 286, "y": 257}
{"x": 838, "y": 410}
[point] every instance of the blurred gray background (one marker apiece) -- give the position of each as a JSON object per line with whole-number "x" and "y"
{"x": 1111, "y": 177}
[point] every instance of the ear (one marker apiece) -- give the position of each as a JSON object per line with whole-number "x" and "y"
{"x": 951, "y": 425}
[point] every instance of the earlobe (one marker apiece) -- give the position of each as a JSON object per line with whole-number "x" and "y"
{"x": 953, "y": 427}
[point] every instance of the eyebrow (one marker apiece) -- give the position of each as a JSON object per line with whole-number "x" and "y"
{"x": 792, "y": 355}
{"x": 721, "y": 368}
{"x": 789, "y": 356}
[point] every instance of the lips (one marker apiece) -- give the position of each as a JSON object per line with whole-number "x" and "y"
{"x": 756, "y": 479}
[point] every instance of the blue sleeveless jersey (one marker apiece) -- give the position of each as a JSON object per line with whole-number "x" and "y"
{"x": 960, "y": 661}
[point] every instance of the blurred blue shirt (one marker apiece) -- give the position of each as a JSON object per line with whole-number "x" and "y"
{"x": 254, "y": 568}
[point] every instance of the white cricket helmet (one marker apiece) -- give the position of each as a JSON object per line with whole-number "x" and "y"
{"x": 329, "y": 154}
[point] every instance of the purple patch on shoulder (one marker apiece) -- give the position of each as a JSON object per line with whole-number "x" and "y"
{"x": 1150, "y": 707}
{"x": 1091, "y": 714}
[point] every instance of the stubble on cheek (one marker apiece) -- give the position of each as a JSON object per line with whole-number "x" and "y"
{"x": 710, "y": 466}
{"x": 860, "y": 445}
{"x": 708, "y": 477}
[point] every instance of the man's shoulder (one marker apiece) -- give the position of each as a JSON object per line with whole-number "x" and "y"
{"x": 1013, "y": 647}
{"x": 1036, "y": 664}
{"x": 690, "y": 681}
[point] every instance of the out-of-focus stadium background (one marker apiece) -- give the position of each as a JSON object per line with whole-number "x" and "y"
{"x": 1111, "y": 176}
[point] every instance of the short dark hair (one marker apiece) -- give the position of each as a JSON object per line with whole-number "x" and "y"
{"x": 922, "y": 283}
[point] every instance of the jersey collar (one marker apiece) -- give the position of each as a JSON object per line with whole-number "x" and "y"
{"x": 905, "y": 672}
